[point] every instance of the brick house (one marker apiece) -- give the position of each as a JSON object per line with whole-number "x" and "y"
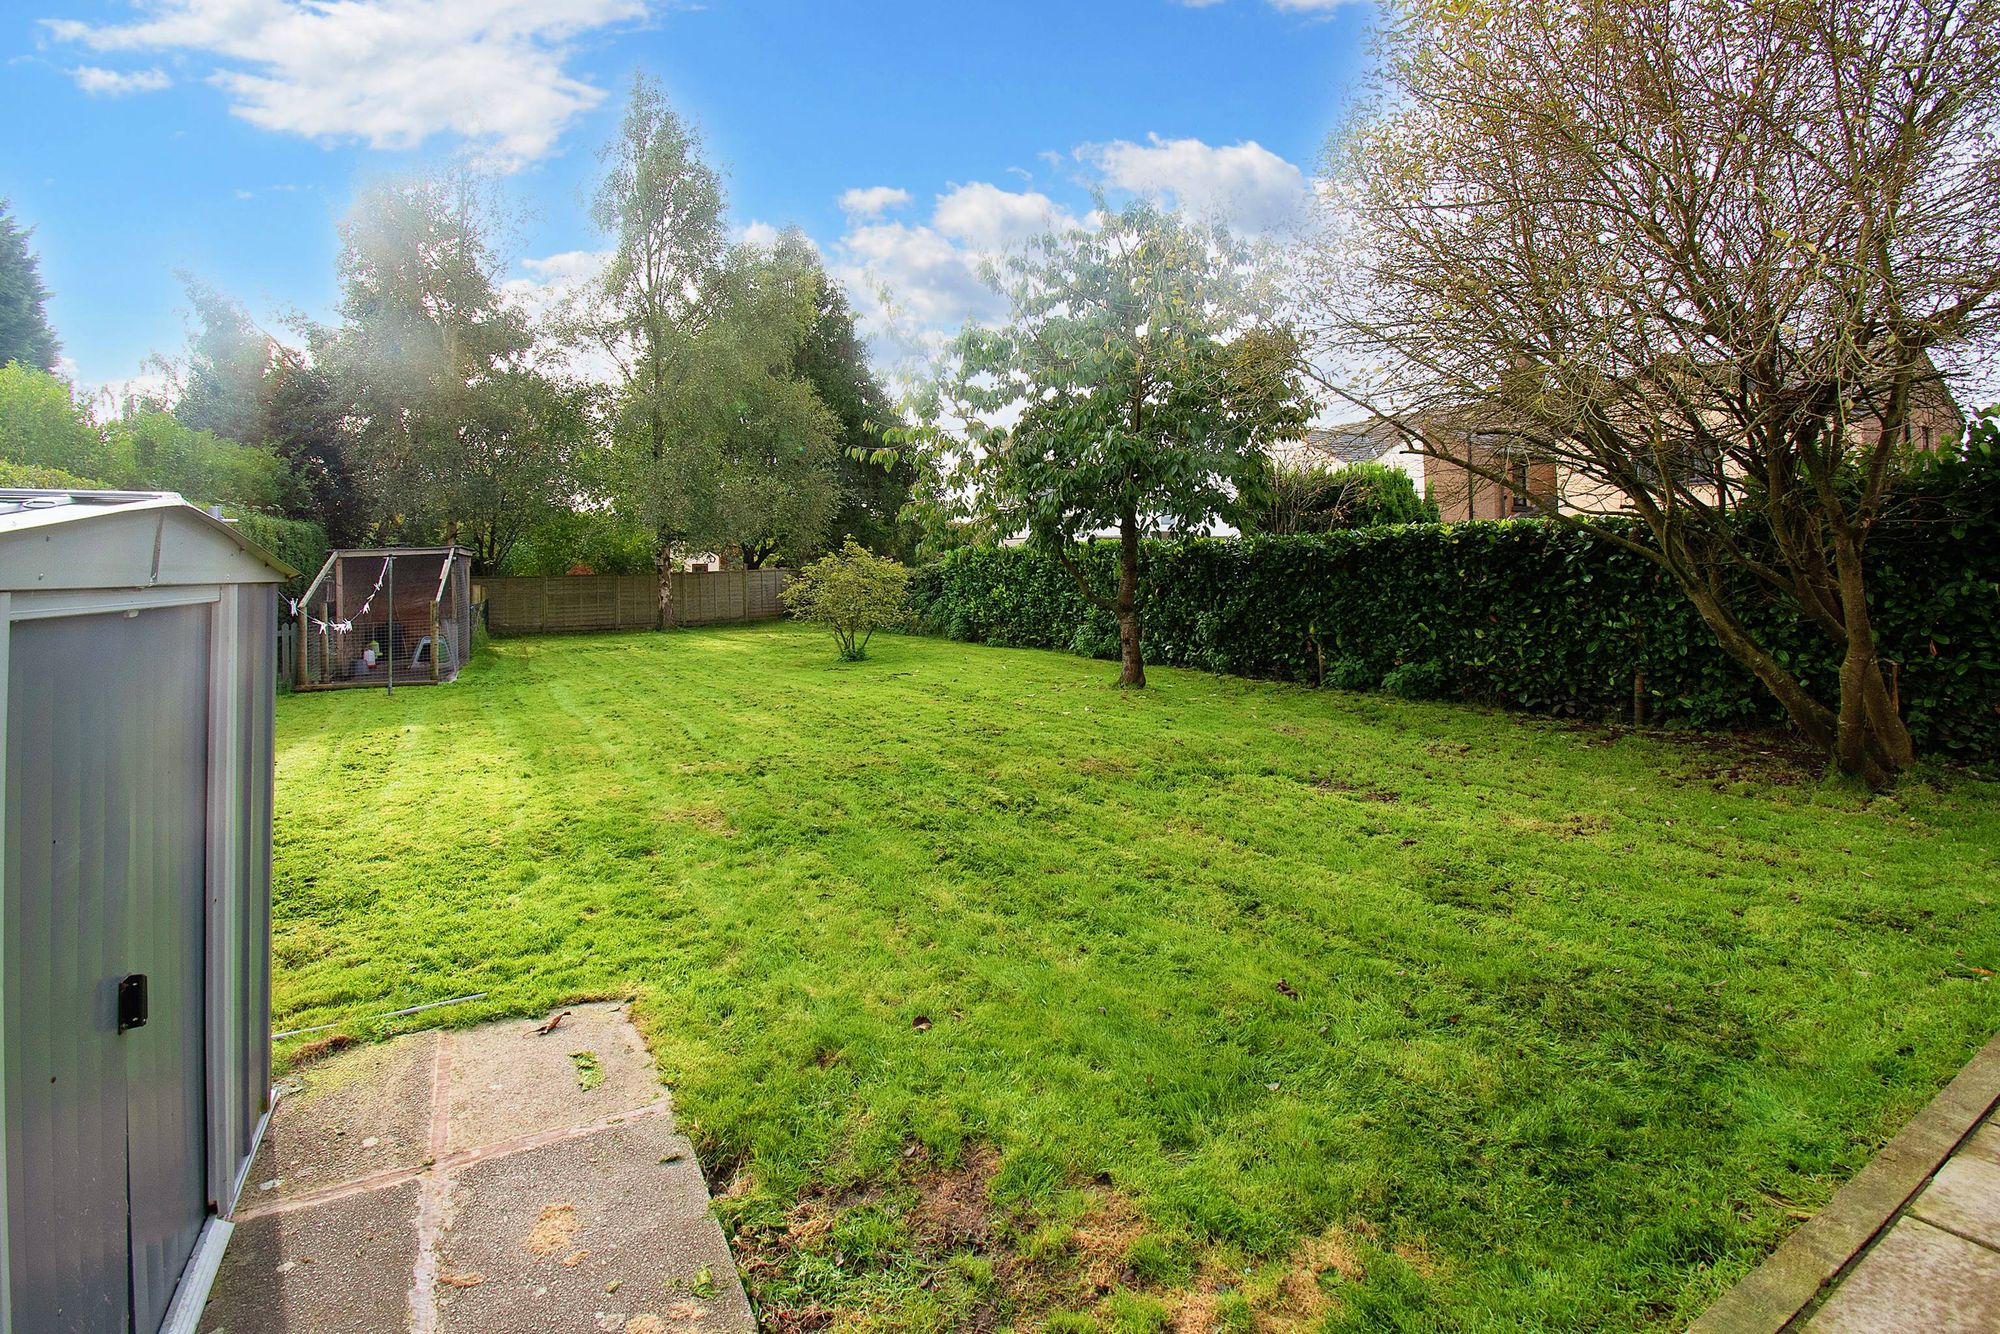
{"x": 1468, "y": 490}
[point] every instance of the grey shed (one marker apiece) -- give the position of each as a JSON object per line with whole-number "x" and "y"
{"x": 136, "y": 656}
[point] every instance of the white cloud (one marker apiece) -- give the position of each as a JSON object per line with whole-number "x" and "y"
{"x": 912, "y": 275}
{"x": 100, "y": 82}
{"x": 552, "y": 278}
{"x": 390, "y": 73}
{"x": 1245, "y": 185}
{"x": 988, "y": 218}
{"x": 872, "y": 201}
{"x": 914, "y": 284}
{"x": 543, "y": 287}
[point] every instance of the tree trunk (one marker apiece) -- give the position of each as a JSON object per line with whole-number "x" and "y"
{"x": 663, "y": 568}
{"x": 1132, "y": 668}
{"x": 1814, "y": 720}
{"x": 1872, "y": 743}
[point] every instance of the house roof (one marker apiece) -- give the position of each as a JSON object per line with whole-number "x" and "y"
{"x": 122, "y": 539}
{"x": 1345, "y": 443}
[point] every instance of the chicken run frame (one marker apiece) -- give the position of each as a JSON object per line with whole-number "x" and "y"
{"x": 386, "y": 617}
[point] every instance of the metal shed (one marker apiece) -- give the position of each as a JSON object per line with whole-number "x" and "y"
{"x": 390, "y": 616}
{"x": 136, "y": 666}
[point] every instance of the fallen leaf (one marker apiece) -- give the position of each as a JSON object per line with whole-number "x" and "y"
{"x": 472, "y": 1280}
{"x": 573, "y": 1259}
{"x": 1286, "y": 990}
{"x": 543, "y": 1030}
{"x": 922, "y": 1023}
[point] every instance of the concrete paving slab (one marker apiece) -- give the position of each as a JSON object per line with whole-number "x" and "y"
{"x": 506, "y": 1080}
{"x": 609, "y": 1232}
{"x": 1984, "y": 1144}
{"x": 349, "y": 1116}
{"x": 1918, "y": 1279}
{"x": 1964, "y": 1197}
{"x": 342, "y": 1267}
{"x": 481, "y": 1181}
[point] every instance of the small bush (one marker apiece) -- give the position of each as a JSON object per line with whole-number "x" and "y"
{"x": 853, "y": 593}
{"x": 1351, "y": 674}
{"x": 1418, "y": 680}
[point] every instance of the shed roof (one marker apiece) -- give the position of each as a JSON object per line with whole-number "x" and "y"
{"x": 122, "y": 539}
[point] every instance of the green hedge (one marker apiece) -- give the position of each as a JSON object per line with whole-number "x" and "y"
{"x": 1524, "y": 614}
{"x": 34, "y": 477}
{"x": 300, "y": 543}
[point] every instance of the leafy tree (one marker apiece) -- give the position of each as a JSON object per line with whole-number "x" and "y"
{"x": 42, "y": 425}
{"x": 456, "y": 436}
{"x": 780, "y": 485}
{"x": 1701, "y": 257}
{"x": 709, "y": 411}
{"x": 853, "y": 592}
{"x": 596, "y": 539}
{"x": 304, "y": 416}
{"x": 518, "y": 459}
{"x": 662, "y": 204}
{"x": 229, "y": 358}
{"x": 242, "y": 383}
{"x": 25, "y": 335}
{"x": 1320, "y": 499}
{"x": 876, "y": 482}
{"x": 150, "y": 448}
{"x": 1148, "y": 375}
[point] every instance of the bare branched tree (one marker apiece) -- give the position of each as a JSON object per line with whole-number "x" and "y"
{"x": 1692, "y": 258}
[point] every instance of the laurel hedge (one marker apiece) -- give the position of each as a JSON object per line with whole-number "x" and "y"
{"x": 1526, "y": 614}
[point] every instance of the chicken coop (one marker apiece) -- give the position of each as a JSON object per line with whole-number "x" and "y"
{"x": 385, "y": 618}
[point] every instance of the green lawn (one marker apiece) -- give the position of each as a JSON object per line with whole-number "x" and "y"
{"x": 994, "y": 996}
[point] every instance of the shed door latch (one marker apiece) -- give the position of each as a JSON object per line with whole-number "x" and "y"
{"x": 132, "y": 1007}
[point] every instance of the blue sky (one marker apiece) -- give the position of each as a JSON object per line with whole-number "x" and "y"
{"x": 226, "y": 136}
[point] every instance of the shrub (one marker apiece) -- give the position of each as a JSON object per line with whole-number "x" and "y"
{"x": 1351, "y": 674}
{"x": 1418, "y": 680}
{"x": 1320, "y": 499}
{"x": 853, "y": 593}
{"x": 33, "y": 477}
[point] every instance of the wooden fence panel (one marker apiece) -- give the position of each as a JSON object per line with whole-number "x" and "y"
{"x": 568, "y": 604}
{"x": 288, "y": 646}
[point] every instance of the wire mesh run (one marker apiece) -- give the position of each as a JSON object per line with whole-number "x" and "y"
{"x": 389, "y": 617}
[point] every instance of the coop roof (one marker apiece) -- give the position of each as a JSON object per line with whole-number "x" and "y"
{"x": 400, "y": 551}
{"x": 122, "y": 539}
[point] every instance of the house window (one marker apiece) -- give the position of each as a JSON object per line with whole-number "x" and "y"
{"x": 1517, "y": 482}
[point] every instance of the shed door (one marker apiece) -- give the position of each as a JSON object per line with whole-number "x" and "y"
{"x": 107, "y": 761}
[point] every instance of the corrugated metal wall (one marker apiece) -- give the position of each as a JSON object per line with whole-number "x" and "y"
{"x": 106, "y": 852}
{"x": 239, "y": 984}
